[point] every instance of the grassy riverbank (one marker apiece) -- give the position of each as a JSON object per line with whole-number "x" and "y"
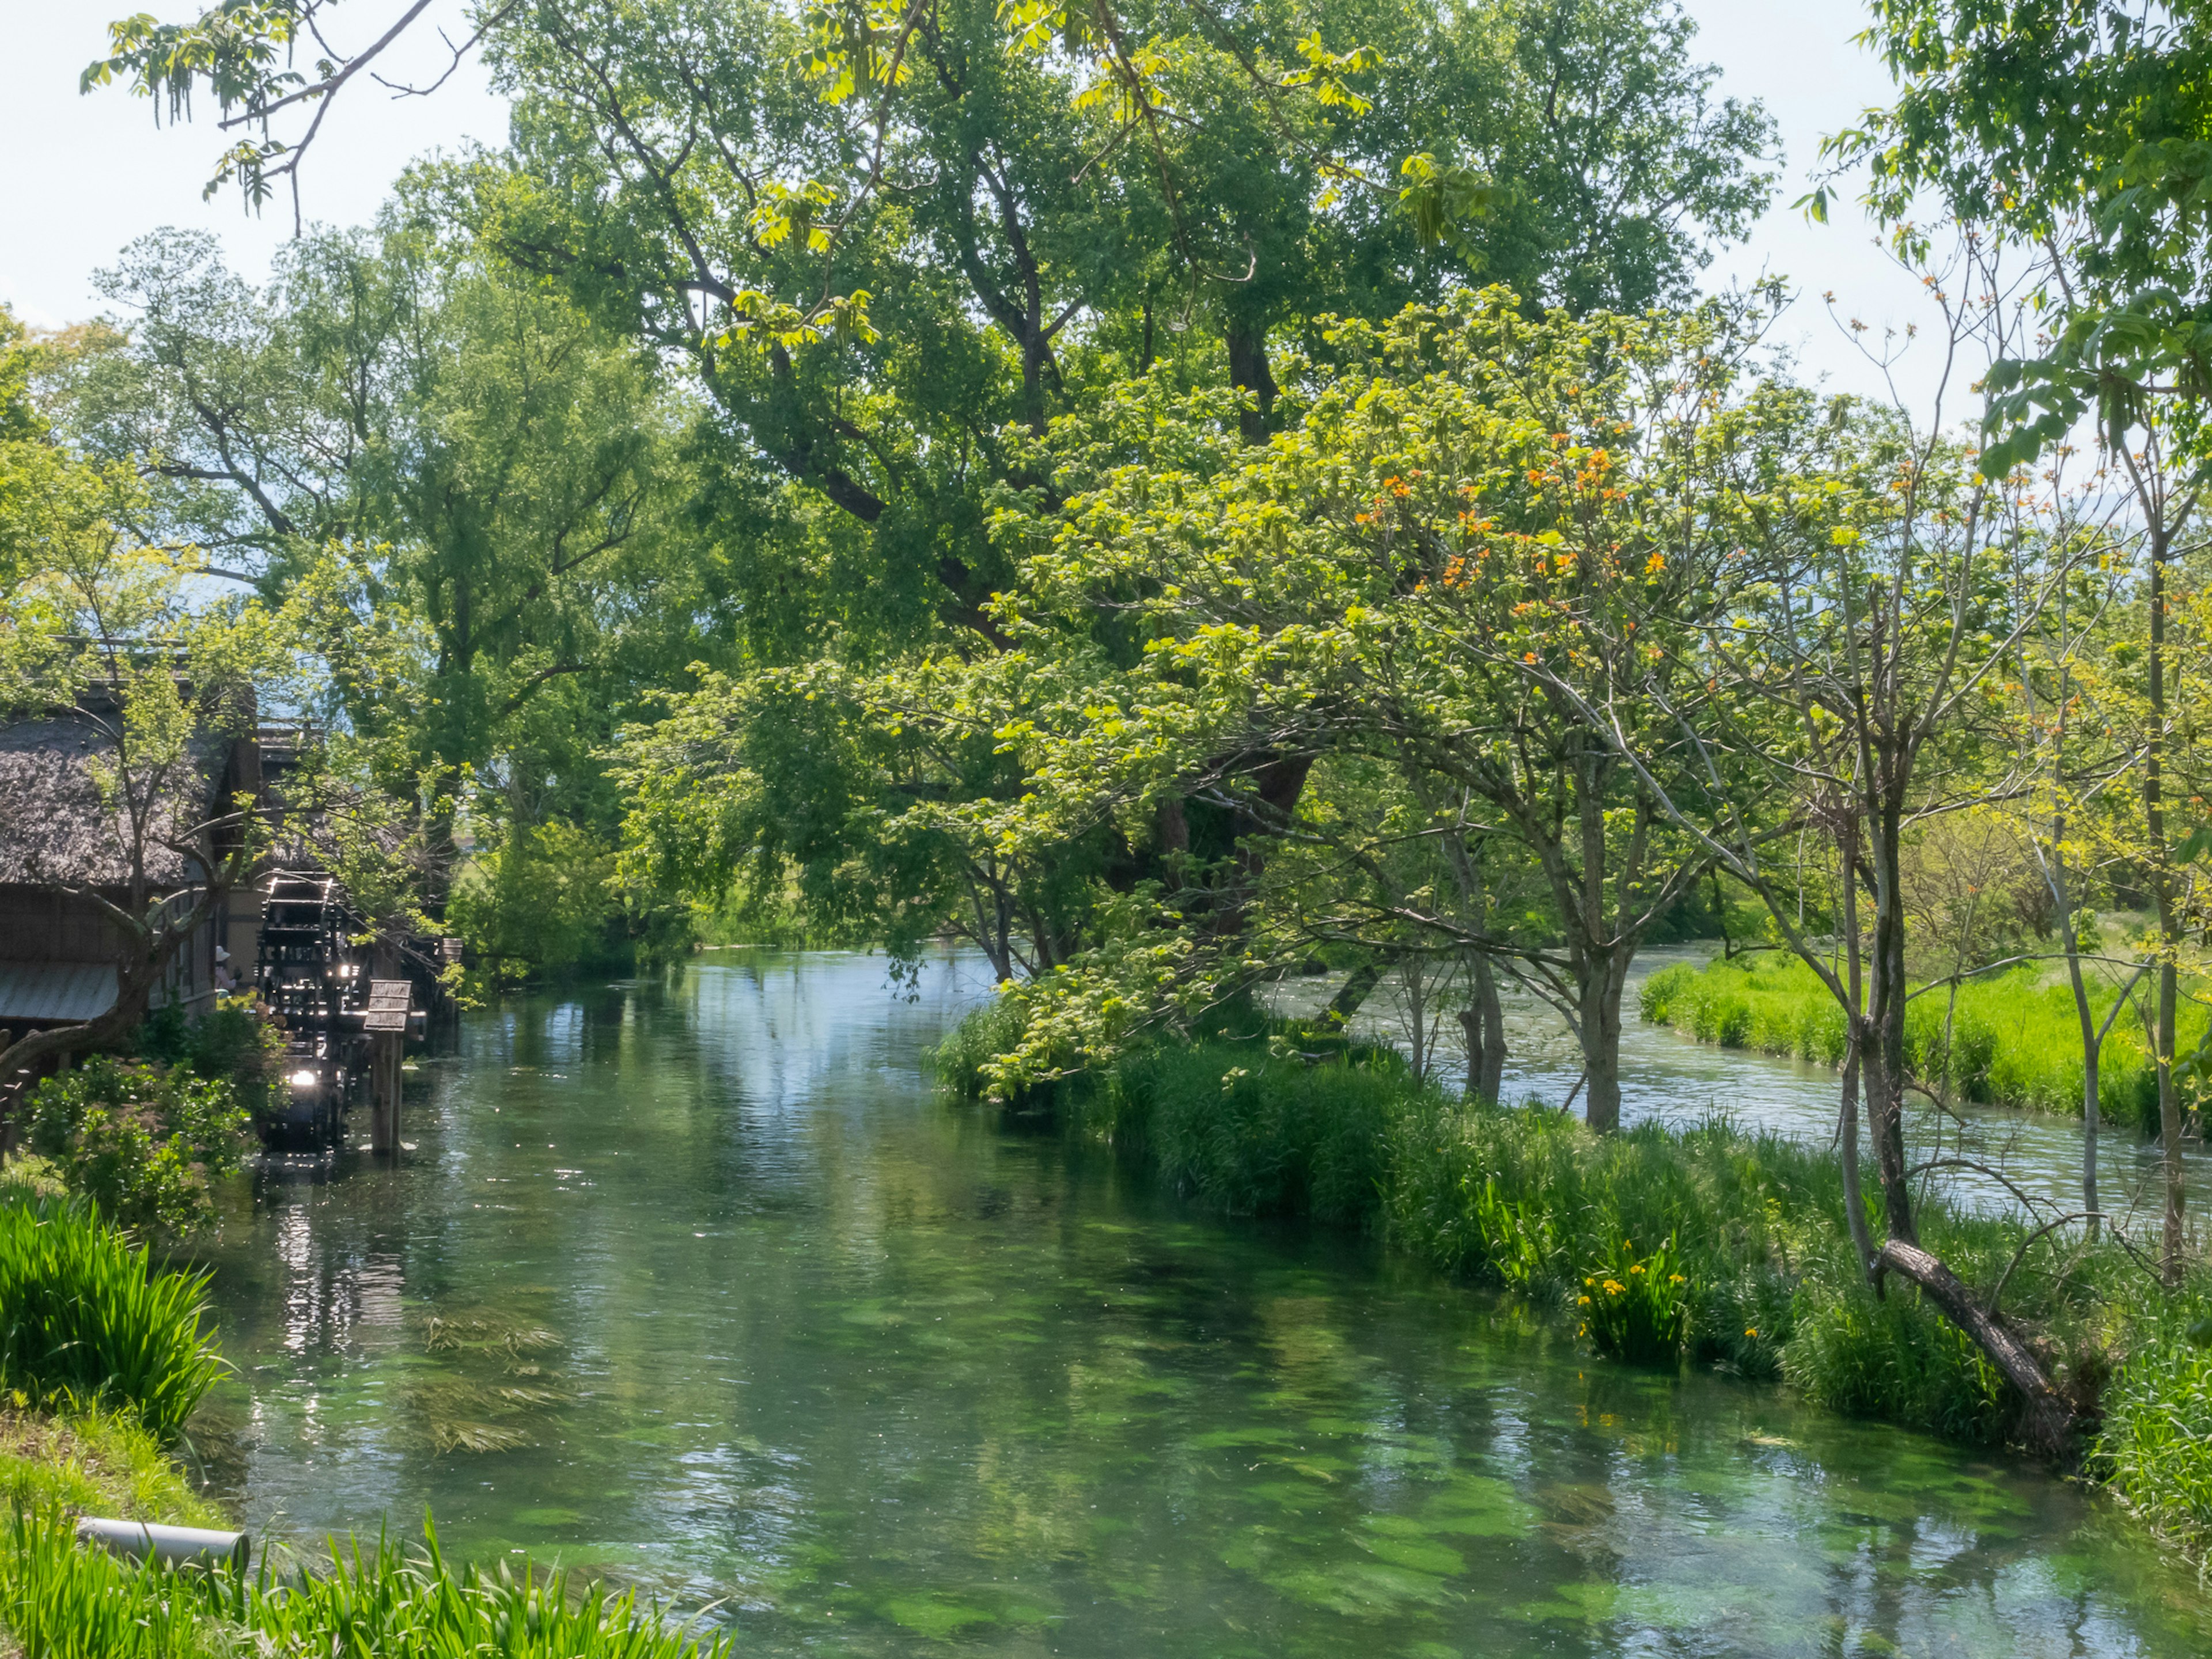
{"x": 1709, "y": 1245}
{"x": 103, "y": 1354}
{"x": 2011, "y": 1040}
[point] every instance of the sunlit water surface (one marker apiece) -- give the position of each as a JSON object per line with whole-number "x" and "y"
{"x": 696, "y": 1283}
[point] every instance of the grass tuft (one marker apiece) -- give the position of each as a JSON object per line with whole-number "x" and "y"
{"x": 88, "y": 1320}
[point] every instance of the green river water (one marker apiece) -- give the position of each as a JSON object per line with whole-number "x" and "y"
{"x": 696, "y": 1283}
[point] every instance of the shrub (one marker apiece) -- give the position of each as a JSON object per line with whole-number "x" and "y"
{"x": 85, "y": 1318}
{"x": 142, "y": 1143}
{"x": 232, "y": 1042}
{"x": 987, "y": 1032}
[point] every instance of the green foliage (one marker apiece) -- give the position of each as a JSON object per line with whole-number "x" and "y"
{"x": 143, "y": 1142}
{"x": 1636, "y": 1308}
{"x": 86, "y": 1319}
{"x": 2014, "y": 1040}
{"x": 543, "y": 899}
{"x": 1250, "y": 1132}
{"x": 93, "y": 1463}
{"x": 2072, "y": 129}
{"x": 63, "y": 1601}
{"x": 962, "y": 1059}
{"x": 2156, "y": 1445}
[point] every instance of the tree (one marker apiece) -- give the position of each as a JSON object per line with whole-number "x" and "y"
{"x": 483, "y": 497}
{"x": 1854, "y": 656}
{"x": 100, "y": 634}
{"x": 1459, "y": 548}
{"x": 2074, "y": 128}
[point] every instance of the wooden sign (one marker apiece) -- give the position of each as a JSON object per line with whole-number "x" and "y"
{"x": 391, "y": 1018}
{"x": 389, "y": 993}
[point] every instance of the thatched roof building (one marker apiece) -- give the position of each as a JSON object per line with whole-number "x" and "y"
{"x": 62, "y": 833}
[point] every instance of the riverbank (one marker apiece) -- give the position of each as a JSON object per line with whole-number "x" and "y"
{"x": 1668, "y": 1245}
{"x": 102, "y": 1359}
{"x": 2013, "y": 1039}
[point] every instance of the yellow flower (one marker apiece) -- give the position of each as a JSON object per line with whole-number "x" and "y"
{"x": 1582, "y": 1302}
{"x": 1589, "y": 1281}
{"x": 1638, "y": 1269}
{"x": 1674, "y": 1279}
{"x": 1613, "y": 1287}
{"x": 1751, "y": 1330}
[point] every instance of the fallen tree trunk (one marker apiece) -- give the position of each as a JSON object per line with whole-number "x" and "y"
{"x": 2048, "y": 1424}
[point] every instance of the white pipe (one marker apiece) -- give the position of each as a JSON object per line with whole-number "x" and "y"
{"x": 170, "y": 1545}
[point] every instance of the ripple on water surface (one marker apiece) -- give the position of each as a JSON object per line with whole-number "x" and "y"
{"x": 696, "y": 1283}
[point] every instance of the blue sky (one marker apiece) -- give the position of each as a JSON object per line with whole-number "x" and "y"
{"x": 91, "y": 172}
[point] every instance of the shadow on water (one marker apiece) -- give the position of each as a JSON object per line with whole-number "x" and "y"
{"x": 698, "y": 1285}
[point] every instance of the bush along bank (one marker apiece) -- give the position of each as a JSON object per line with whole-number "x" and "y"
{"x": 2013, "y": 1039}
{"x": 1659, "y": 1246}
{"x": 103, "y": 1355}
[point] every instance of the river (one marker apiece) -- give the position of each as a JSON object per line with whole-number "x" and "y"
{"x": 694, "y": 1282}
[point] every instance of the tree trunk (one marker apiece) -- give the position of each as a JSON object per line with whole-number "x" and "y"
{"x": 1248, "y": 370}
{"x": 1847, "y": 1134}
{"x": 2169, "y": 1107}
{"x": 2048, "y": 1421}
{"x": 1357, "y": 987}
{"x": 1600, "y": 1017}
{"x": 1882, "y": 1063}
{"x": 1484, "y": 1022}
{"x": 1847, "y": 1143}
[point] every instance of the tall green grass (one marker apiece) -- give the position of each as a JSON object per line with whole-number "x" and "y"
{"x": 2014, "y": 1040}
{"x": 63, "y": 1601}
{"x": 86, "y": 1319}
{"x": 1755, "y": 1228}
{"x": 2155, "y": 1450}
{"x": 1249, "y": 1132}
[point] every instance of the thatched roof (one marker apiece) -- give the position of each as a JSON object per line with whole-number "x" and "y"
{"x": 53, "y": 828}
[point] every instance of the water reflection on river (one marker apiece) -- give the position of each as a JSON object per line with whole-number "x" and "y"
{"x": 698, "y": 1282}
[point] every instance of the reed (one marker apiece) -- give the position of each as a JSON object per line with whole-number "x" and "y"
{"x": 415, "y": 1602}
{"x": 59, "y": 1601}
{"x": 86, "y": 1319}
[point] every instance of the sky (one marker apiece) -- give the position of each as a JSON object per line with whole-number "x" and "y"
{"x": 93, "y": 171}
